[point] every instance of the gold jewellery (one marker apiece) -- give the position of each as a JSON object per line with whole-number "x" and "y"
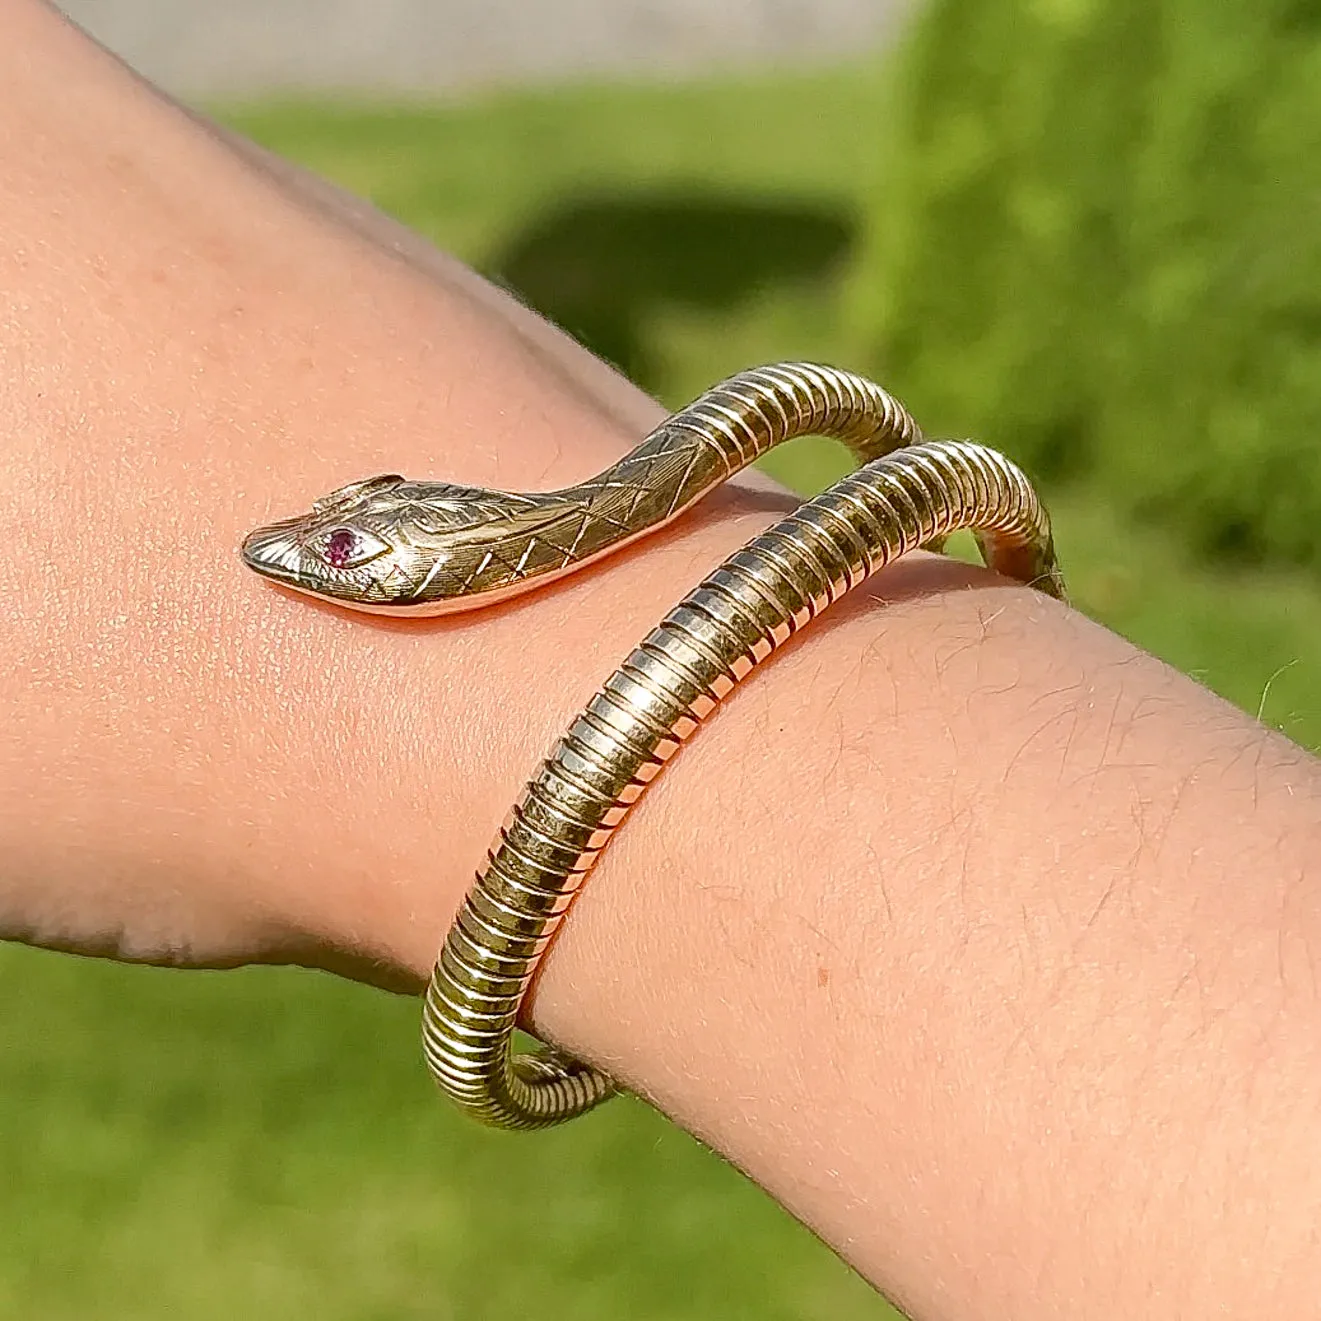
{"x": 402, "y": 547}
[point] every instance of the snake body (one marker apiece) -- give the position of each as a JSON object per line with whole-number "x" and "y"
{"x": 404, "y": 547}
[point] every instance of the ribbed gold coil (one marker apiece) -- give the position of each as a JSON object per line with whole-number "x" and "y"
{"x": 759, "y": 597}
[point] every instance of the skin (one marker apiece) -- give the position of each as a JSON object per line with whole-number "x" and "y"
{"x": 983, "y": 941}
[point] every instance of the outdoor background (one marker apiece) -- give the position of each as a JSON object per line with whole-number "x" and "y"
{"x": 1083, "y": 230}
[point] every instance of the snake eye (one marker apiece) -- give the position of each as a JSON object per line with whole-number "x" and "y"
{"x": 349, "y": 547}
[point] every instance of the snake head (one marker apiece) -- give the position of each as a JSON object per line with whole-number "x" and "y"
{"x": 344, "y": 549}
{"x": 392, "y": 546}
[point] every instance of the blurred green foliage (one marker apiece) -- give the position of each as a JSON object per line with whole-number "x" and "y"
{"x": 265, "y": 1143}
{"x": 1102, "y": 246}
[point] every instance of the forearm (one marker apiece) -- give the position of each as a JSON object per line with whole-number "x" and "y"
{"x": 980, "y": 939}
{"x": 998, "y": 944}
{"x": 189, "y": 350}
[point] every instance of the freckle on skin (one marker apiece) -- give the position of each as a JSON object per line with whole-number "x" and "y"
{"x": 823, "y": 977}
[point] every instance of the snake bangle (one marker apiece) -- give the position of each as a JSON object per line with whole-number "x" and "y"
{"x": 390, "y": 545}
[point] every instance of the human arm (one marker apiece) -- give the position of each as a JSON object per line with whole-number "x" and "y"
{"x": 980, "y": 939}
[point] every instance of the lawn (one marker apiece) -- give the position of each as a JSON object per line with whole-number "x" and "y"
{"x": 265, "y": 1143}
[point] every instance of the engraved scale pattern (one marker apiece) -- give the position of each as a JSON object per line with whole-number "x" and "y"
{"x": 452, "y": 547}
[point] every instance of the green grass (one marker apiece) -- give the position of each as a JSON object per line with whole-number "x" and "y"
{"x": 265, "y": 1143}
{"x": 744, "y": 160}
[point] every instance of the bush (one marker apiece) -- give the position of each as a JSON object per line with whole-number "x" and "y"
{"x": 1101, "y": 248}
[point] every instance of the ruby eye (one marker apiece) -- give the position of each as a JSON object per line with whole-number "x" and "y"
{"x": 346, "y": 547}
{"x": 340, "y": 546}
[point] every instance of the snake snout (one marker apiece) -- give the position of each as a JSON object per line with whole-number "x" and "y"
{"x": 275, "y": 552}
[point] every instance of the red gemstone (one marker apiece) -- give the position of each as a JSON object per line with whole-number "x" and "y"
{"x": 340, "y": 546}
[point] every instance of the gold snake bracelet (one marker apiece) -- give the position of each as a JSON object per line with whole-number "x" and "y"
{"x": 400, "y": 547}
